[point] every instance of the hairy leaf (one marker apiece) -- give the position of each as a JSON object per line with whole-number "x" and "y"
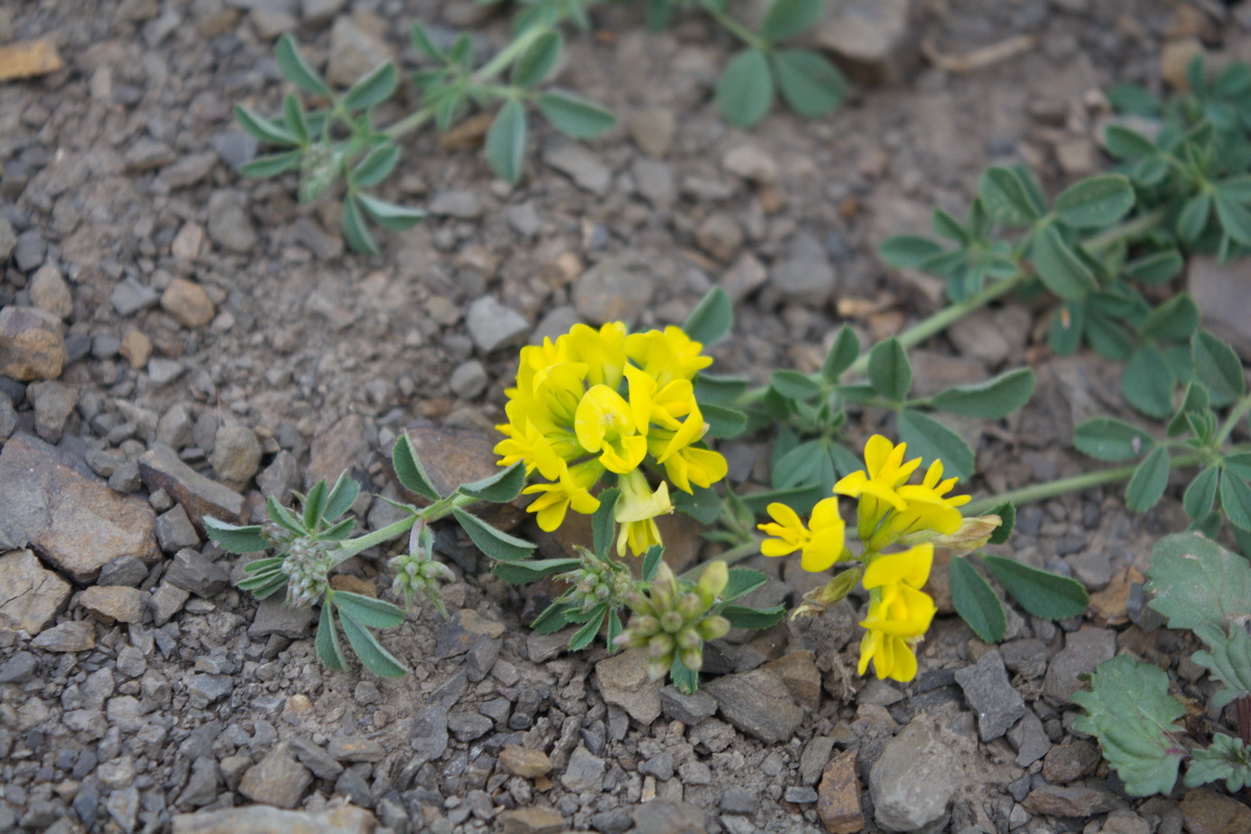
{"x": 1197, "y": 582}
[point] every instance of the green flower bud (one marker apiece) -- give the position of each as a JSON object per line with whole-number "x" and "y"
{"x": 640, "y": 604}
{"x": 672, "y": 621}
{"x": 661, "y": 645}
{"x": 690, "y": 606}
{"x": 714, "y": 627}
{"x": 644, "y": 625}
{"x": 688, "y": 638}
{"x": 658, "y": 667}
{"x": 693, "y": 659}
{"x": 713, "y": 580}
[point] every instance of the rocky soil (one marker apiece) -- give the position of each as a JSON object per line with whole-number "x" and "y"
{"x": 176, "y": 341}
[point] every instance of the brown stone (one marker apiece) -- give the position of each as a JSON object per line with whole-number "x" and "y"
{"x": 31, "y": 344}
{"x": 27, "y": 59}
{"x": 1208, "y": 812}
{"x": 531, "y": 821}
{"x": 353, "y": 584}
{"x": 524, "y": 762}
{"x": 136, "y": 348}
{"x": 1110, "y": 606}
{"x": 261, "y": 819}
{"x": 1175, "y": 57}
{"x": 799, "y": 672}
{"x": 452, "y": 456}
{"x": 337, "y": 450}
{"x": 49, "y": 499}
{"x": 188, "y": 303}
{"x": 278, "y": 779}
{"x": 838, "y": 795}
{"x": 30, "y": 595}
{"x": 113, "y": 603}
{"x": 161, "y": 468}
{"x": 1070, "y": 801}
{"x": 73, "y": 636}
{"x": 623, "y": 680}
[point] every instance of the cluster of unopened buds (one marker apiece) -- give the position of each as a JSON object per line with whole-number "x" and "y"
{"x": 674, "y": 619}
{"x": 307, "y": 564}
{"x": 597, "y": 581}
{"x": 418, "y": 572}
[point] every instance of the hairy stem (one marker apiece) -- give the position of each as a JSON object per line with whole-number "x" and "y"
{"x": 439, "y": 509}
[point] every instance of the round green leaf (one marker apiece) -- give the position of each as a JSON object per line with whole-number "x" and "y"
{"x": 787, "y": 18}
{"x": 1147, "y": 384}
{"x": 889, "y": 370}
{"x": 976, "y": 602}
{"x": 1234, "y": 217}
{"x": 712, "y": 319}
{"x": 506, "y": 141}
{"x": 989, "y": 400}
{"x": 408, "y": 469}
{"x": 573, "y": 116}
{"x": 1148, "y": 482}
{"x": 1059, "y": 266}
{"x": 1217, "y": 367}
{"x": 810, "y": 85}
{"x": 1201, "y": 494}
{"x": 1006, "y": 197}
{"x": 1156, "y": 268}
{"x": 1106, "y": 438}
{"x": 375, "y": 658}
{"x": 1095, "y": 201}
{"x": 1236, "y": 501}
{"x": 930, "y": 439}
{"x": 745, "y": 89}
{"x": 794, "y": 385}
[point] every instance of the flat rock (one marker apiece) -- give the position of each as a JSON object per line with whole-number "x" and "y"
{"x": 524, "y": 762}
{"x": 50, "y": 292}
{"x": 990, "y": 694}
{"x": 1030, "y": 740}
{"x": 261, "y": 819}
{"x": 273, "y": 616}
{"x": 1208, "y": 812}
{"x": 161, "y": 468}
{"x": 689, "y": 709}
{"x": 799, "y": 672}
{"x": 806, "y": 276}
{"x": 428, "y": 736}
{"x": 874, "y": 38}
{"x": 1083, "y": 651}
{"x": 667, "y": 816}
{"x": 31, "y": 344}
{"x": 76, "y": 522}
{"x": 1071, "y": 801}
{"x": 1223, "y": 297}
{"x": 612, "y": 291}
{"x": 196, "y": 572}
{"x": 530, "y": 821}
{"x": 73, "y": 636}
{"x": 838, "y": 795}
{"x": 758, "y": 703}
{"x": 580, "y": 165}
{"x": 751, "y": 163}
{"x": 339, "y": 449}
{"x": 913, "y": 780}
{"x": 622, "y": 680}
{"x": 1070, "y": 761}
{"x": 452, "y": 456}
{"x": 30, "y": 595}
{"x": 493, "y": 326}
{"x": 356, "y": 749}
{"x": 278, "y": 779}
{"x": 113, "y": 603}
{"x": 584, "y": 773}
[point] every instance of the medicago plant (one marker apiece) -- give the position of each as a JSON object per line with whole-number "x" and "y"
{"x": 335, "y": 137}
{"x": 1200, "y": 586}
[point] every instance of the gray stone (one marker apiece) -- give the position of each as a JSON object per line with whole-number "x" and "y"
{"x": 815, "y": 757}
{"x": 800, "y": 795}
{"x": 123, "y": 807}
{"x": 806, "y": 276}
{"x": 659, "y": 765}
{"x": 236, "y": 456}
{"x": 913, "y": 780}
{"x": 54, "y": 402}
{"x": 50, "y": 292}
{"x": 758, "y": 703}
{"x": 273, "y": 616}
{"x": 130, "y": 662}
{"x": 751, "y": 163}
{"x": 1081, "y": 801}
{"x": 353, "y": 53}
{"x": 467, "y": 726}
{"x": 208, "y": 689}
{"x": 73, "y": 636}
{"x": 1220, "y": 291}
{"x": 229, "y": 223}
{"x": 1030, "y": 740}
{"x": 161, "y": 468}
{"x": 175, "y": 531}
{"x": 743, "y": 278}
{"x": 167, "y": 600}
{"x": 146, "y": 153}
{"x": 261, "y": 819}
{"x": 189, "y": 169}
{"x": 236, "y": 148}
{"x": 31, "y": 344}
{"x": 468, "y": 380}
{"x": 654, "y": 180}
{"x": 689, "y": 709}
{"x": 317, "y": 12}
{"x": 666, "y": 816}
{"x": 873, "y": 37}
{"x": 193, "y": 571}
{"x": 29, "y": 251}
{"x": 622, "y": 680}
{"x": 522, "y": 219}
{"x": 30, "y": 595}
{"x": 738, "y": 800}
{"x": 990, "y": 694}
{"x": 202, "y": 785}
{"x": 1070, "y": 761}
{"x": 461, "y": 203}
{"x": 493, "y": 326}
{"x": 163, "y": 371}
{"x": 720, "y": 236}
{"x": 584, "y": 773}
{"x": 580, "y": 165}
{"x": 280, "y": 477}
{"x": 278, "y": 779}
{"x": 1026, "y": 657}
{"x": 129, "y": 296}
{"x": 1083, "y": 651}
{"x": 612, "y": 291}
{"x": 428, "y": 736}
{"x": 652, "y": 129}
{"x": 8, "y": 239}
{"x": 321, "y": 763}
{"x": 8, "y": 418}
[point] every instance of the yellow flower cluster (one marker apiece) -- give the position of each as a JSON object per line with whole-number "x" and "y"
{"x": 607, "y": 401}
{"x": 890, "y": 512}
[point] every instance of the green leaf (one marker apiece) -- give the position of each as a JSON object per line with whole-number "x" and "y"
{"x": 506, "y": 141}
{"x": 1226, "y": 758}
{"x": 1236, "y": 501}
{"x": 1234, "y": 217}
{"x": 976, "y": 602}
{"x": 296, "y": 70}
{"x": 1217, "y": 367}
{"x": 1201, "y": 493}
{"x": 1095, "y": 201}
{"x": 263, "y": 565}
{"x": 723, "y": 423}
{"x": 711, "y": 319}
{"x": 684, "y": 679}
{"x": 272, "y": 165}
{"x": 949, "y": 227}
{"x": 283, "y": 517}
{"x": 930, "y": 439}
{"x": 1124, "y": 143}
{"x": 425, "y": 45}
{"x": 1106, "y": 438}
{"x": 1042, "y": 594}
{"x": 842, "y": 355}
{"x": 573, "y": 116}
{"x": 990, "y": 400}
{"x": 376, "y": 166}
{"x": 327, "y": 640}
{"x": 376, "y": 659}
{"x": 797, "y": 466}
{"x": 368, "y": 611}
{"x": 552, "y": 619}
{"x": 1146, "y": 487}
{"x": 496, "y": 544}
{"x": 1129, "y": 709}
{"x": 1156, "y": 268}
{"x": 742, "y": 581}
{"x": 520, "y": 573}
{"x": 1064, "y": 332}
{"x": 703, "y": 505}
{"x": 651, "y": 562}
{"x": 890, "y": 373}
{"x": 614, "y": 630}
{"x": 801, "y": 499}
{"x": 584, "y": 636}
{"x": 313, "y": 503}
{"x": 373, "y": 89}
{"x": 745, "y": 89}
{"x": 1173, "y": 321}
{"x": 603, "y": 523}
{"x": 264, "y": 129}
{"x": 740, "y": 616}
{"x": 1147, "y": 383}
{"x": 235, "y": 538}
{"x": 408, "y": 469}
{"x": 715, "y": 388}
{"x": 909, "y": 251}
{"x": 1194, "y": 402}
{"x": 538, "y": 61}
{"x": 810, "y": 85}
{"x": 355, "y": 232}
{"x": 1193, "y": 218}
{"x": 294, "y": 118}
{"x": 1059, "y": 267}
{"x": 1006, "y": 197}
{"x": 794, "y": 385}
{"x": 499, "y": 488}
{"x": 1007, "y": 515}
{"x": 1237, "y": 464}
{"x": 1197, "y": 582}
{"x": 787, "y": 18}
{"x": 389, "y": 215}
{"x": 1228, "y": 658}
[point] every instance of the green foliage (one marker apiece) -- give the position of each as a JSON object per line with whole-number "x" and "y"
{"x": 1043, "y": 594}
{"x": 976, "y": 602}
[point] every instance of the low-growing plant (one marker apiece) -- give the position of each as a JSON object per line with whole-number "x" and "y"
{"x": 1198, "y": 585}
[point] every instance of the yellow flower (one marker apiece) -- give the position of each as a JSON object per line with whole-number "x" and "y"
{"x": 878, "y": 483}
{"x": 692, "y": 465}
{"x": 572, "y": 489}
{"x": 928, "y": 508}
{"x": 605, "y": 424}
{"x": 667, "y": 356}
{"x": 602, "y": 351}
{"x": 821, "y": 546}
{"x": 899, "y": 612}
{"x": 636, "y": 512}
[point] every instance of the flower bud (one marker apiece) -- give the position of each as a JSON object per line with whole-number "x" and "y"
{"x": 660, "y": 646}
{"x": 713, "y": 581}
{"x": 644, "y": 624}
{"x": 640, "y": 604}
{"x": 688, "y": 638}
{"x": 658, "y": 667}
{"x": 714, "y": 627}
{"x": 664, "y": 588}
{"x": 672, "y": 621}
{"x": 693, "y": 659}
{"x": 973, "y": 534}
{"x": 690, "y": 606}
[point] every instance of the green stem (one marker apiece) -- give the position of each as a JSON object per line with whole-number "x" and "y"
{"x": 439, "y": 509}
{"x": 1236, "y": 413}
{"x": 1126, "y": 231}
{"x": 732, "y": 556}
{"x": 737, "y": 29}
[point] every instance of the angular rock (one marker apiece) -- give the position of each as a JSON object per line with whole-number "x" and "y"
{"x": 758, "y": 703}
{"x": 323, "y": 765}
{"x": 580, "y": 165}
{"x": 72, "y": 519}
{"x": 353, "y": 52}
{"x": 261, "y": 819}
{"x": 800, "y": 674}
{"x": 74, "y": 636}
{"x": 236, "y": 456}
{"x": 356, "y": 749}
{"x": 452, "y": 456}
{"x": 665, "y": 816}
{"x": 19, "y": 668}
{"x": 1205, "y": 811}
{"x": 622, "y": 680}
{"x": 1030, "y": 740}
{"x": 161, "y": 468}
{"x": 1083, "y": 651}
{"x": 584, "y": 773}
{"x": 874, "y": 38}
{"x": 689, "y": 709}
{"x": 188, "y": 303}
{"x": 1070, "y": 801}
{"x": 428, "y": 736}
{"x": 167, "y": 600}
{"x": 113, "y": 603}
{"x": 174, "y": 530}
{"x": 838, "y": 795}
{"x": 493, "y": 326}
{"x": 806, "y": 276}
{"x": 54, "y": 402}
{"x": 530, "y": 821}
{"x": 612, "y": 291}
{"x": 50, "y": 292}
{"x": 278, "y": 779}
{"x": 336, "y": 451}
{"x": 30, "y": 595}
{"x": 273, "y": 616}
{"x": 990, "y": 694}
{"x": 193, "y": 571}
{"x": 744, "y": 277}
{"x": 461, "y": 203}
{"x": 1070, "y": 761}
{"x": 524, "y": 762}
{"x": 31, "y": 344}
{"x": 913, "y": 780}
{"x": 1220, "y": 291}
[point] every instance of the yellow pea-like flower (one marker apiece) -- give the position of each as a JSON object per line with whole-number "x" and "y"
{"x": 821, "y": 543}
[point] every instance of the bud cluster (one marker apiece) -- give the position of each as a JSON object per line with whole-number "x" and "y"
{"x": 307, "y": 566}
{"x": 674, "y": 619}
{"x": 597, "y": 582}
{"x": 418, "y": 572}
